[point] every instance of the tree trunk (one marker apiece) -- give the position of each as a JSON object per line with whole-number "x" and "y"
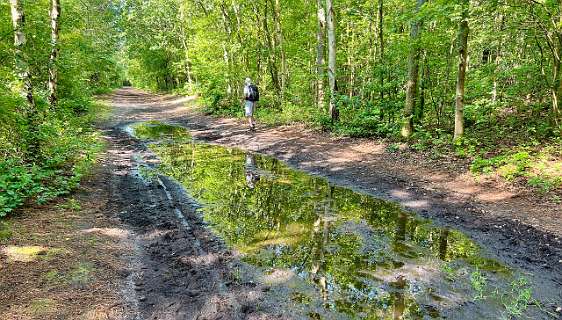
{"x": 413, "y": 73}
{"x": 227, "y": 57}
{"x": 272, "y": 59}
{"x": 497, "y": 61}
{"x": 53, "y": 75}
{"x": 184, "y": 41}
{"x": 283, "y": 74}
{"x": 381, "y": 51}
{"x": 557, "y": 83}
{"x": 320, "y": 54}
{"x": 22, "y": 68}
{"x": 331, "y": 59}
{"x": 351, "y": 59}
{"x": 461, "y": 76}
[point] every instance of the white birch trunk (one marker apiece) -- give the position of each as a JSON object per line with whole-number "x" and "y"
{"x": 331, "y": 58}
{"x": 320, "y": 53}
{"x": 22, "y": 67}
{"x": 53, "y": 73}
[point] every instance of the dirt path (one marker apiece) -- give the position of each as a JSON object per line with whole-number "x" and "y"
{"x": 143, "y": 249}
{"x": 519, "y": 228}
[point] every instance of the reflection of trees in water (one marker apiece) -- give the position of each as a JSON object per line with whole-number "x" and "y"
{"x": 320, "y": 231}
{"x": 401, "y": 227}
{"x": 443, "y": 242}
{"x": 399, "y": 303}
{"x": 287, "y": 219}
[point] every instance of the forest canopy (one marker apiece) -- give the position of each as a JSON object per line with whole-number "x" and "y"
{"x": 391, "y": 55}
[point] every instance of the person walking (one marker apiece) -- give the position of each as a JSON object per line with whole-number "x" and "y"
{"x": 251, "y": 98}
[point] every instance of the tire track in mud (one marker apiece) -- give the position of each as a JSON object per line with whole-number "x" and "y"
{"x": 178, "y": 269}
{"x": 168, "y": 251}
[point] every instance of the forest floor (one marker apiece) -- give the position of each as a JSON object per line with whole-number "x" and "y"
{"x": 122, "y": 248}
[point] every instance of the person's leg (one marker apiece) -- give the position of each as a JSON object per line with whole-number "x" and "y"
{"x": 249, "y": 112}
{"x": 254, "y": 110}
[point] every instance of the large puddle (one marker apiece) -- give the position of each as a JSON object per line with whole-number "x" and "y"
{"x": 342, "y": 254}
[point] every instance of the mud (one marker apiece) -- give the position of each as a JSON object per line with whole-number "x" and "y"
{"x": 180, "y": 269}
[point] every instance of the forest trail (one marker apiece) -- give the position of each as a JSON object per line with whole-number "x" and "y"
{"x": 418, "y": 184}
{"x": 517, "y": 228}
{"x": 139, "y": 241}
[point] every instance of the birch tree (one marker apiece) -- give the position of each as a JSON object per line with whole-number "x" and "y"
{"x": 22, "y": 67}
{"x": 332, "y": 59}
{"x": 320, "y": 53}
{"x": 53, "y": 75}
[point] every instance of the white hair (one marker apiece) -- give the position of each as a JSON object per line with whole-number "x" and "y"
{"x": 248, "y": 81}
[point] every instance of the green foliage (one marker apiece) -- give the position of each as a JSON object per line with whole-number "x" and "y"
{"x": 5, "y": 231}
{"x": 67, "y": 156}
{"x": 508, "y": 100}
{"x": 479, "y": 284}
{"x": 65, "y": 143}
{"x": 71, "y": 204}
{"x": 518, "y": 299}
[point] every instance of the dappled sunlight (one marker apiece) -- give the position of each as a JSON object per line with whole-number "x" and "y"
{"x": 116, "y": 233}
{"x": 23, "y": 253}
{"x": 494, "y": 196}
{"x": 207, "y": 259}
{"x": 416, "y": 204}
{"x": 401, "y": 194}
{"x": 277, "y": 276}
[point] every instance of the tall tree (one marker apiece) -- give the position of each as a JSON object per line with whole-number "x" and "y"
{"x": 184, "y": 41}
{"x": 320, "y": 53}
{"x": 461, "y": 75}
{"x": 22, "y": 67}
{"x": 283, "y": 74}
{"x": 334, "y": 114}
{"x": 53, "y": 76}
{"x": 413, "y": 74}
{"x": 381, "y": 44}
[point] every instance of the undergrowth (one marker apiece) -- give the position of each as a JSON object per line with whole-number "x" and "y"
{"x": 67, "y": 148}
{"x": 519, "y": 147}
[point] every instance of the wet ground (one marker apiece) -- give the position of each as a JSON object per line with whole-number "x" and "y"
{"x": 223, "y": 233}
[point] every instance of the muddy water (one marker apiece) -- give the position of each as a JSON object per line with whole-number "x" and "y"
{"x": 338, "y": 253}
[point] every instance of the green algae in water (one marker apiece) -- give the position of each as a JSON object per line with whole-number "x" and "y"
{"x": 367, "y": 258}
{"x": 154, "y": 130}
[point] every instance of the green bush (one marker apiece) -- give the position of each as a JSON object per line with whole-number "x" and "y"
{"x": 67, "y": 148}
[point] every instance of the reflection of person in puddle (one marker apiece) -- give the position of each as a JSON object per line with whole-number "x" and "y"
{"x": 250, "y": 169}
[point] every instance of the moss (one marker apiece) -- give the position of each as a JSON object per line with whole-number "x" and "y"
{"x": 80, "y": 274}
{"x": 39, "y": 307}
{"x": 5, "y": 231}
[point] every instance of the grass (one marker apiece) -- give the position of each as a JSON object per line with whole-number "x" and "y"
{"x": 23, "y": 253}
{"x": 70, "y": 204}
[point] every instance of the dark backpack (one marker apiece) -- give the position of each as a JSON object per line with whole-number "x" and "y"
{"x": 253, "y": 93}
